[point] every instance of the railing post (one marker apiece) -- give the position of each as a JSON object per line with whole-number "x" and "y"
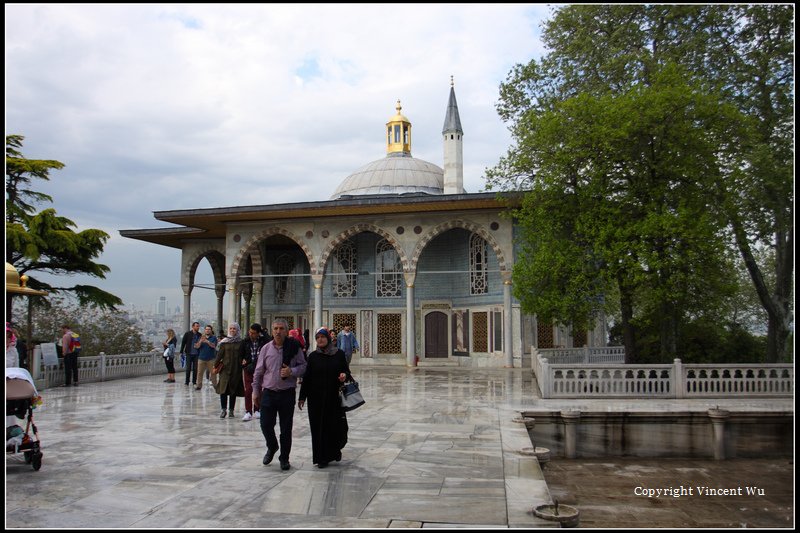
{"x": 718, "y": 418}
{"x": 544, "y": 380}
{"x": 678, "y": 381}
{"x": 102, "y": 366}
{"x": 571, "y": 419}
{"x": 586, "y": 353}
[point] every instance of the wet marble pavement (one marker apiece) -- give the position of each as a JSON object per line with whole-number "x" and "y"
{"x": 431, "y": 448}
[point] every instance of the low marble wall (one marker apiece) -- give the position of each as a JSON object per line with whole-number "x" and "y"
{"x": 663, "y": 434}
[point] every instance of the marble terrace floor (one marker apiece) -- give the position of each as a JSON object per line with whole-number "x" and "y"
{"x": 432, "y": 447}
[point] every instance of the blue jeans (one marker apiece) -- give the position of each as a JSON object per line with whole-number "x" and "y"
{"x": 191, "y": 368}
{"x": 274, "y": 404}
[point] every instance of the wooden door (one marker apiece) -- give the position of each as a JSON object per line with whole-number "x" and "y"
{"x": 436, "y": 334}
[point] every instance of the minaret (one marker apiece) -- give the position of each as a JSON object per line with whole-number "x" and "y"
{"x": 453, "y": 147}
{"x": 398, "y": 134}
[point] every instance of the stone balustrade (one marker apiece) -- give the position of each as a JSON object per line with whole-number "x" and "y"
{"x": 101, "y": 368}
{"x": 560, "y": 379}
{"x": 587, "y": 354}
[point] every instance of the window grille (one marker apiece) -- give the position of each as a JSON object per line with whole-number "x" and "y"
{"x": 389, "y": 271}
{"x": 345, "y": 270}
{"x": 284, "y": 284}
{"x": 478, "y": 269}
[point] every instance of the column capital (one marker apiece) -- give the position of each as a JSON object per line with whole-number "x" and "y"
{"x": 506, "y": 276}
{"x": 317, "y": 279}
{"x": 410, "y": 278}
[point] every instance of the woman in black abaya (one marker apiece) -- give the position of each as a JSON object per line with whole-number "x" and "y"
{"x": 326, "y": 371}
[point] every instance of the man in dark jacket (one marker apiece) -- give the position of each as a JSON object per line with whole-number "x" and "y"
{"x": 190, "y": 352}
{"x": 256, "y": 338}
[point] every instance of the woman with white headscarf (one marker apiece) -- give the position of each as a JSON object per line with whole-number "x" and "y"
{"x": 229, "y": 383}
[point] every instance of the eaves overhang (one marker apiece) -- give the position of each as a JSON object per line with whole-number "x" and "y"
{"x": 211, "y": 223}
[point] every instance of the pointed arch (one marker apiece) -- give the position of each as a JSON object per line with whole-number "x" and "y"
{"x": 251, "y": 246}
{"x": 463, "y": 224}
{"x": 216, "y": 258}
{"x": 362, "y": 228}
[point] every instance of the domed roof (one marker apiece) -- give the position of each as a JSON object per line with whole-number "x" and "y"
{"x": 397, "y": 173}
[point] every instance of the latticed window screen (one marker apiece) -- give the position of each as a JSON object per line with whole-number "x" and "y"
{"x": 390, "y": 340}
{"x": 480, "y": 332}
{"x": 284, "y": 283}
{"x": 289, "y": 322}
{"x": 544, "y": 335}
{"x": 345, "y": 269}
{"x": 579, "y": 338}
{"x": 340, "y": 320}
{"x": 389, "y": 271}
{"x": 497, "y": 331}
{"x": 478, "y": 269}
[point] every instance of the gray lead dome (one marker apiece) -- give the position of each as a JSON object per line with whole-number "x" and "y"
{"x": 397, "y": 173}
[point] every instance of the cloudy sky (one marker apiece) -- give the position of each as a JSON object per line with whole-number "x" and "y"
{"x": 158, "y": 107}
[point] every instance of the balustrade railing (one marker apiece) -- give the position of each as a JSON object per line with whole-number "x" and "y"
{"x": 560, "y": 377}
{"x": 601, "y": 354}
{"x": 103, "y": 367}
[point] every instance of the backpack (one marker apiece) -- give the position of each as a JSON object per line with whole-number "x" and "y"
{"x": 74, "y": 343}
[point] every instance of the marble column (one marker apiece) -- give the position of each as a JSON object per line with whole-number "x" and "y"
{"x": 317, "y": 280}
{"x": 411, "y": 331}
{"x": 187, "y": 308}
{"x": 508, "y": 347}
{"x": 259, "y": 311}
{"x": 247, "y": 300}
{"x": 233, "y": 302}
{"x": 220, "y": 291}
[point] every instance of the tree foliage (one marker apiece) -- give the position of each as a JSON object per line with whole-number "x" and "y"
{"x": 44, "y": 242}
{"x": 101, "y": 330}
{"x": 637, "y": 137}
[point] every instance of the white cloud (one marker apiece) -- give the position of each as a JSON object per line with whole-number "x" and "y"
{"x": 157, "y": 107}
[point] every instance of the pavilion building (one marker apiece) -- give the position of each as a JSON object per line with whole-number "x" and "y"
{"x": 417, "y": 266}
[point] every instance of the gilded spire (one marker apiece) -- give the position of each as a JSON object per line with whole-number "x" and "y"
{"x": 398, "y": 133}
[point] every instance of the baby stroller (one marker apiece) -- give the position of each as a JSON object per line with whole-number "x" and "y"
{"x": 21, "y": 399}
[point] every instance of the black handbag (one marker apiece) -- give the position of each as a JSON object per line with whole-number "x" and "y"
{"x": 350, "y": 396}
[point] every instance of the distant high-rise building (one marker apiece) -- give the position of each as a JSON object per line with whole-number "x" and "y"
{"x": 162, "y": 306}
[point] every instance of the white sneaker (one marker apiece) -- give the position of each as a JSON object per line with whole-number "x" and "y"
{"x": 247, "y": 417}
{"x": 256, "y": 414}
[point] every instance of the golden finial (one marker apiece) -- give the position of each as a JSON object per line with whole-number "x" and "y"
{"x": 398, "y": 107}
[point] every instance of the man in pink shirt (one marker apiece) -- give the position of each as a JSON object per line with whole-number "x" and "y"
{"x": 280, "y": 363}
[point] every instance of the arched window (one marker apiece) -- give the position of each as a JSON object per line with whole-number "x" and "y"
{"x": 478, "y": 268}
{"x": 389, "y": 271}
{"x": 284, "y": 283}
{"x": 345, "y": 268}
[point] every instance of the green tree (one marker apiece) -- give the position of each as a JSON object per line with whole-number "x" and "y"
{"x": 101, "y": 330}
{"x": 758, "y": 195}
{"x": 627, "y": 134}
{"x": 45, "y": 242}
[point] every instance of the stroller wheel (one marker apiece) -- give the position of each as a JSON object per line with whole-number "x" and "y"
{"x": 37, "y": 461}
{"x": 28, "y": 457}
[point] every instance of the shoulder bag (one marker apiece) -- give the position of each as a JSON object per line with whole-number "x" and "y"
{"x": 350, "y": 396}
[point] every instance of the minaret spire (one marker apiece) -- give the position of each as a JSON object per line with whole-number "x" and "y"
{"x": 453, "y": 146}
